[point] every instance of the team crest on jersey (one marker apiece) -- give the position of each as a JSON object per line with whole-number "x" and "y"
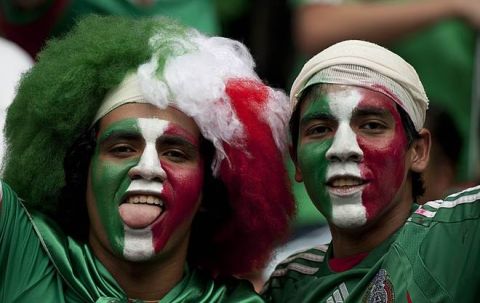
{"x": 380, "y": 289}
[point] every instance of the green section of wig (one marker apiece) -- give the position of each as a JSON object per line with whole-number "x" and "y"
{"x": 57, "y": 100}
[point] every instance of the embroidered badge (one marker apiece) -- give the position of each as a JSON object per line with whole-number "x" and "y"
{"x": 380, "y": 289}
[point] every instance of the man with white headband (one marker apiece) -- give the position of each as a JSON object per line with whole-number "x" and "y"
{"x": 148, "y": 163}
{"x": 359, "y": 146}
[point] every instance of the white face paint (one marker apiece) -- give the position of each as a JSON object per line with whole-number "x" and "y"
{"x": 343, "y": 155}
{"x": 139, "y": 242}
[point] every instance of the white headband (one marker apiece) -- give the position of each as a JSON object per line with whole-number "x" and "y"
{"x": 361, "y": 63}
{"x": 128, "y": 91}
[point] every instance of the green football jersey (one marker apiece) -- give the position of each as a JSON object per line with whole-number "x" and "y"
{"x": 434, "y": 257}
{"x": 40, "y": 264}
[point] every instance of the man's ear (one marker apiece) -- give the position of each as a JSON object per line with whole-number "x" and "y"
{"x": 293, "y": 156}
{"x": 420, "y": 151}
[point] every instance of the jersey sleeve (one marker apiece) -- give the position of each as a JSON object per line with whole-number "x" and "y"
{"x": 26, "y": 271}
{"x": 295, "y": 269}
{"x": 446, "y": 261}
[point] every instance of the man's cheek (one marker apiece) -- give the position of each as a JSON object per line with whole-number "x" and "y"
{"x": 386, "y": 170}
{"x": 109, "y": 183}
{"x": 313, "y": 164}
{"x": 185, "y": 184}
{"x": 312, "y": 160}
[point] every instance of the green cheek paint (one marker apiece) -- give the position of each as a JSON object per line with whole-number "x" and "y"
{"x": 311, "y": 156}
{"x": 313, "y": 164}
{"x": 109, "y": 182}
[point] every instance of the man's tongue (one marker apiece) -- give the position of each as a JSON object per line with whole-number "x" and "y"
{"x": 139, "y": 215}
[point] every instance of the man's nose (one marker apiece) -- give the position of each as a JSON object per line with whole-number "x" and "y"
{"x": 344, "y": 146}
{"x": 149, "y": 167}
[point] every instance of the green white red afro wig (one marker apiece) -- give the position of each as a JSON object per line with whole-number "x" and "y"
{"x": 210, "y": 79}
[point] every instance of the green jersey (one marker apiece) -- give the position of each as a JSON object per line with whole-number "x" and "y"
{"x": 40, "y": 264}
{"x": 434, "y": 257}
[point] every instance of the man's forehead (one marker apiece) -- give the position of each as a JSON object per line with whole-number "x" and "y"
{"x": 325, "y": 96}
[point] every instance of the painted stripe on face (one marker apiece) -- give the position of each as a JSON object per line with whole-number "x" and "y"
{"x": 311, "y": 155}
{"x": 139, "y": 242}
{"x": 343, "y": 161}
{"x": 109, "y": 181}
{"x": 384, "y": 157}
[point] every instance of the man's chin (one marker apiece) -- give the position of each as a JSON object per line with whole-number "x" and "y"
{"x": 138, "y": 244}
{"x": 349, "y": 216}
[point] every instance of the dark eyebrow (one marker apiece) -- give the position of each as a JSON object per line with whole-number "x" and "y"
{"x": 170, "y": 140}
{"x": 368, "y": 111}
{"x": 118, "y": 135}
{"x": 315, "y": 116}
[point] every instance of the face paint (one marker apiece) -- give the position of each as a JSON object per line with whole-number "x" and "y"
{"x": 351, "y": 154}
{"x": 383, "y": 166}
{"x": 147, "y": 177}
{"x": 311, "y": 156}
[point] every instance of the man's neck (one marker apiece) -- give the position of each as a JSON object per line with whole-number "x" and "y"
{"x": 363, "y": 240}
{"x": 148, "y": 281}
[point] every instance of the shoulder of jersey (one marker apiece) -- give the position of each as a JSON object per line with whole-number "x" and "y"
{"x": 467, "y": 197}
{"x": 304, "y": 262}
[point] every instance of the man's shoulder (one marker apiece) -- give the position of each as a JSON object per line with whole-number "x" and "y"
{"x": 439, "y": 236}
{"x": 299, "y": 266}
{"x": 461, "y": 206}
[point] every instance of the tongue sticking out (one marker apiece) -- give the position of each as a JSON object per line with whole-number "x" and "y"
{"x": 139, "y": 215}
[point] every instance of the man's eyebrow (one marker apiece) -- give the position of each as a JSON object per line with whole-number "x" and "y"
{"x": 178, "y": 131}
{"x": 173, "y": 140}
{"x": 118, "y": 135}
{"x": 316, "y": 116}
{"x": 367, "y": 111}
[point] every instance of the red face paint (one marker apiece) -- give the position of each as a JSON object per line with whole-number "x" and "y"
{"x": 181, "y": 191}
{"x": 177, "y": 131}
{"x": 384, "y": 158}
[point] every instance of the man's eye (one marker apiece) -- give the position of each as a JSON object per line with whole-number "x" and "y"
{"x": 175, "y": 155}
{"x": 374, "y": 126}
{"x": 122, "y": 150}
{"x": 318, "y": 130}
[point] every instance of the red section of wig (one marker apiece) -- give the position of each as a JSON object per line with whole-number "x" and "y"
{"x": 258, "y": 188}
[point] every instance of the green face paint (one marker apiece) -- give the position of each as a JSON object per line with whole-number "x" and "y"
{"x": 312, "y": 159}
{"x": 109, "y": 181}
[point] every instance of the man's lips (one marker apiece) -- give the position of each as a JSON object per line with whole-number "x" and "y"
{"x": 345, "y": 185}
{"x": 141, "y": 209}
{"x": 145, "y": 199}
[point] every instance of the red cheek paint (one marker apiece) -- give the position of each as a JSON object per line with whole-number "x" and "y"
{"x": 384, "y": 161}
{"x": 181, "y": 192}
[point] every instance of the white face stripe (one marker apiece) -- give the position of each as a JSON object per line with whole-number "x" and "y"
{"x": 151, "y": 130}
{"x": 138, "y": 244}
{"x": 344, "y": 142}
{"x": 342, "y": 105}
{"x": 346, "y": 212}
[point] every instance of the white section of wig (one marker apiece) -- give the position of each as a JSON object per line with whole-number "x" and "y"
{"x": 194, "y": 80}
{"x": 154, "y": 90}
{"x": 276, "y": 115}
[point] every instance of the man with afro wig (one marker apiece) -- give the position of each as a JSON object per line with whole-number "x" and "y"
{"x": 148, "y": 163}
